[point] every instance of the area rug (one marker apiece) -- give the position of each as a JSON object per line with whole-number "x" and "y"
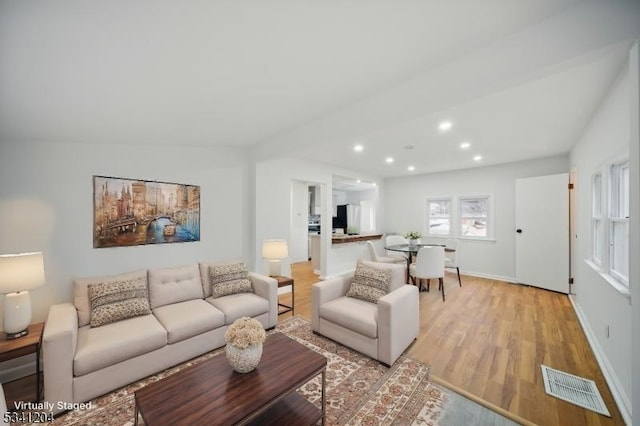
{"x": 360, "y": 391}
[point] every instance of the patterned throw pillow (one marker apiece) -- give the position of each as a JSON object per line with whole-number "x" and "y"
{"x": 229, "y": 278}
{"x": 369, "y": 283}
{"x": 118, "y": 300}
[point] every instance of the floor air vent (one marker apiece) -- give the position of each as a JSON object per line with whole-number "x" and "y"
{"x": 573, "y": 389}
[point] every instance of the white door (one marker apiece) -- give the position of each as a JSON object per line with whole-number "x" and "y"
{"x": 542, "y": 232}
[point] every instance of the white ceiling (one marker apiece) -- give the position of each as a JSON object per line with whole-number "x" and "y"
{"x": 310, "y": 79}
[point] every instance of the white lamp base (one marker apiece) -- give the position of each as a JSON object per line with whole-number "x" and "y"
{"x": 274, "y": 268}
{"x": 17, "y": 314}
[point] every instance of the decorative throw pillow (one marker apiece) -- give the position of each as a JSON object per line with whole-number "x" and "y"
{"x": 230, "y": 278}
{"x": 118, "y": 300}
{"x": 369, "y": 283}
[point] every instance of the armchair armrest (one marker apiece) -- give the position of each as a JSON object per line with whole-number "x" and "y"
{"x": 267, "y": 287}
{"x": 398, "y": 322}
{"x": 325, "y": 291}
{"x": 58, "y": 350}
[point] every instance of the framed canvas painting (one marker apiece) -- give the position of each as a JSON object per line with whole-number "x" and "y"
{"x": 131, "y": 212}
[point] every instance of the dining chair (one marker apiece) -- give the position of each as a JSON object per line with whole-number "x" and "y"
{"x": 392, "y": 240}
{"x": 429, "y": 264}
{"x": 383, "y": 259}
{"x": 451, "y": 258}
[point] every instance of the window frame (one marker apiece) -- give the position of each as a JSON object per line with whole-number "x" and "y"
{"x": 618, "y": 214}
{"x": 596, "y": 218}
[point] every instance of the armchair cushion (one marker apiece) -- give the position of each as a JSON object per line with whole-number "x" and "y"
{"x": 369, "y": 283}
{"x": 353, "y": 314}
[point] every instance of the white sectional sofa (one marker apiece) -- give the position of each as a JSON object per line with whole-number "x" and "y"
{"x": 82, "y": 360}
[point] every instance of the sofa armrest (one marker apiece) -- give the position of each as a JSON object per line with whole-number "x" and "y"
{"x": 326, "y": 291}
{"x": 267, "y": 288}
{"x": 58, "y": 350}
{"x": 398, "y": 322}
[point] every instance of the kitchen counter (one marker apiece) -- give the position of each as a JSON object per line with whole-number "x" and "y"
{"x": 343, "y": 238}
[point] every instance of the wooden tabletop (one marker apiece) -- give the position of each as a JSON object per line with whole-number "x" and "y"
{"x": 25, "y": 345}
{"x": 212, "y": 393}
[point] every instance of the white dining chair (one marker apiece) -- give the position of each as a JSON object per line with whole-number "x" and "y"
{"x": 384, "y": 259}
{"x": 429, "y": 264}
{"x": 392, "y": 240}
{"x": 451, "y": 258}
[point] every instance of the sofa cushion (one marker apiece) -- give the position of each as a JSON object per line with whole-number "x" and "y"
{"x": 205, "y": 276}
{"x": 173, "y": 285}
{"x": 353, "y": 314}
{"x": 239, "y": 305}
{"x": 100, "y": 347}
{"x": 229, "y": 279}
{"x": 118, "y": 300}
{"x": 369, "y": 283}
{"x": 187, "y": 319}
{"x": 81, "y": 291}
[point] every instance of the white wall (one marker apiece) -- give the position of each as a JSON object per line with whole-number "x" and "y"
{"x": 46, "y": 203}
{"x": 606, "y": 138}
{"x": 274, "y": 213}
{"x": 404, "y": 208}
{"x": 634, "y": 228}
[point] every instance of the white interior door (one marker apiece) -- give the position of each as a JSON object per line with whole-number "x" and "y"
{"x": 542, "y": 232}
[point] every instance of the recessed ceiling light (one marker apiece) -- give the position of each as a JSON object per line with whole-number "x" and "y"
{"x": 477, "y": 157}
{"x": 389, "y": 160}
{"x": 411, "y": 168}
{"x": 445, "y": 126}
{"x": 465, "y": 145}
{"x": 358, "y": 148}
{"x": 358, "y": 181}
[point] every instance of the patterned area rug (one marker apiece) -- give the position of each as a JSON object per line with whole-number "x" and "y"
{"x": 360, "y": 391}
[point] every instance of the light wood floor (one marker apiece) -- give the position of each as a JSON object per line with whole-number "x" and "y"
{"x": 489, "y": 339}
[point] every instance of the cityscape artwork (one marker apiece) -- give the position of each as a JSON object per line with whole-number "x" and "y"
{"x": 130, "y": 212}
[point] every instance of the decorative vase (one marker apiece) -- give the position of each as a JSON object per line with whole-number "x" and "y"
{"x": 412, "y": 242}
{"x": 244, "y": 360}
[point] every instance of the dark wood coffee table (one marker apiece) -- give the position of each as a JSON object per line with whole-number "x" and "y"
{"x": 212, "y": 393}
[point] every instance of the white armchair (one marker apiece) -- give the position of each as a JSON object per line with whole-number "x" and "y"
{"x": 383, "y": 330}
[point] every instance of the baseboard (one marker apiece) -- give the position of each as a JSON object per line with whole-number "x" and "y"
{"x": 620, "y": 397}
{"x": 488, "y": 276}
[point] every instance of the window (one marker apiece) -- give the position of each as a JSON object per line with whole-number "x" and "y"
{"x": 610, "y": 222}
{"x": 474, "y": 212}
{"x": 439, "y": 216}
{"x": 464, "y": 217}
{"x": 619, "y": 221}
{"x": 596, "y": 218}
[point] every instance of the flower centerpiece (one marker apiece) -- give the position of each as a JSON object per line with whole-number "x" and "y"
{"x": 412, "y": 236}
{"x": 244, "y": 344}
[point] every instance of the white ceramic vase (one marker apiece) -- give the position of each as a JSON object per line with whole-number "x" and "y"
{"x": 244, "y": 360}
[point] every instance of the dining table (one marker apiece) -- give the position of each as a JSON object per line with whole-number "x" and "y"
{"x": 411, "y": 250}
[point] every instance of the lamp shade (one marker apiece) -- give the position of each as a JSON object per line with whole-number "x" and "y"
{"x": 19, "y": 272}
{"x": 275, "y": 249}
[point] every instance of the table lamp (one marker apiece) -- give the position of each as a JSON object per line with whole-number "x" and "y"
{"x": 274, "y": 251}
{"x": 18, "y": 274}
